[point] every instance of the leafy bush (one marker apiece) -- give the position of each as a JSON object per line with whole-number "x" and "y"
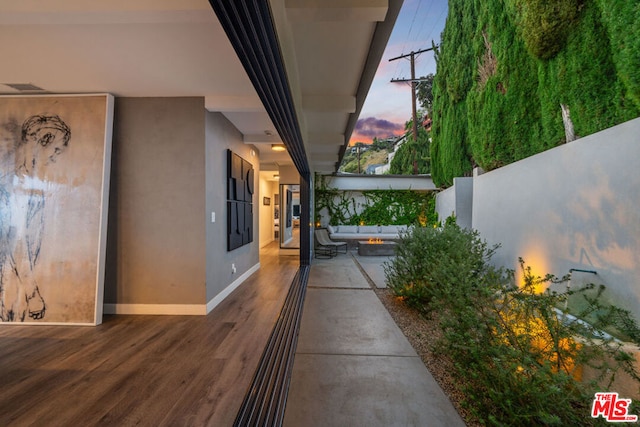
{"x": 517, "y": 357}
{"x": 428, "y": 258}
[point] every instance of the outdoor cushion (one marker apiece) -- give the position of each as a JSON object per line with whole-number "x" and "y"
{"x": 330, "y": 229}
{"x": 347, "y": 229}
{"x": 389, "y": 229}
{"x": 368, "y": 229}
{"x": 388, "y": 236}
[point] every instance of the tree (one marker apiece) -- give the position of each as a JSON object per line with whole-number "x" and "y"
{"x": 425, "y": 93}
{"x": 381, "y": 144}
{"x": 413, "y": 156}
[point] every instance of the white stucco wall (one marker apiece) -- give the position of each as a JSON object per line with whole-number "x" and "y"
{"x": 266, "y": 215}
{"x": 446, "y": 203}
{"x": 381, "y": 182}
{"x": 575, "y": 206}
{"x": 456, "y": 200}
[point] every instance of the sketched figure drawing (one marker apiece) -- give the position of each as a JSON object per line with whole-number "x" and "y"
{"x": 26, "y": 154}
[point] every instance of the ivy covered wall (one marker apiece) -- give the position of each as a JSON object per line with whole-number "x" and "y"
{"x": 373, "y": 207}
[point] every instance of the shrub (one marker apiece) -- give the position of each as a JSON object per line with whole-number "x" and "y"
{"x": 517, "y": 356}
{"x": 428, "y": 258}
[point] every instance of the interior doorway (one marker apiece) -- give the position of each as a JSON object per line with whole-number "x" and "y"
{"x": 289, "y": 216}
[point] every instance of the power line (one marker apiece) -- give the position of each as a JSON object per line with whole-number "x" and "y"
{"x": 404, "y": 44}
{"x": 424, "y": 20}
{"x": 414, "y": 84}
{"x": 445, "y": 9}
{"x": 413, "y": 20}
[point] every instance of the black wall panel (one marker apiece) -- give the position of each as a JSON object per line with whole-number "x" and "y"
{"x": 240, "y": 189}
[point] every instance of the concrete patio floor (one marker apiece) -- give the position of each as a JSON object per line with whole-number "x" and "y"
{"x": 353, "y": 366}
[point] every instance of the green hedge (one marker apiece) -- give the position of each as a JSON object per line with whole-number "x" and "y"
{"x": 584, "y": 54}
{"x": 450, "y": 151}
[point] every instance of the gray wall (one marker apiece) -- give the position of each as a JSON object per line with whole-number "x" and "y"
{"x": 456, "y": 200}
{"x": 575, "y": 206}
{"x": 464, "y": 201}
{"x": 446, "y": 203}
{"x": 220, "y": 136}
{"x": 156, "y": 240}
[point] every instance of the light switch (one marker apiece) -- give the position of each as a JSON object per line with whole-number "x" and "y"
{"x": 213, "y": 217}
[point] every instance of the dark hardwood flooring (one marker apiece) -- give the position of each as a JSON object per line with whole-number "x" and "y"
{"x": 144, "y": 370}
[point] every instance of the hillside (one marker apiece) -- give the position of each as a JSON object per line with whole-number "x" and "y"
{"x": 506, "y": 70}
{"x": 371, "y": 156}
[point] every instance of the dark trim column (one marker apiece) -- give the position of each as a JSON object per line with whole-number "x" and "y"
{"x": 306, "y": 188}
{"x": 249, "y": 26}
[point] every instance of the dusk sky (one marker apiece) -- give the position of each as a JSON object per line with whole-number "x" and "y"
{"x": 388, "y": 105}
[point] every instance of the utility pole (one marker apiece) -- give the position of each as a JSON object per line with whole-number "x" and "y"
{"x": 414, "y": 83}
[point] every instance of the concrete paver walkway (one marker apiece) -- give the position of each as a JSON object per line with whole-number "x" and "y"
{"x": 353, "y": 366}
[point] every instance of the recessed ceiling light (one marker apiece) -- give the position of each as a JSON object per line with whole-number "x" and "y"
{"x": 278, "y": 147}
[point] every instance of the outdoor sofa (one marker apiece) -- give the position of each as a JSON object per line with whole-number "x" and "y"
{"x": 354, "y": 233}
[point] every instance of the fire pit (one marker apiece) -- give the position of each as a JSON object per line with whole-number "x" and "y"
{"x": 376, "y": 247}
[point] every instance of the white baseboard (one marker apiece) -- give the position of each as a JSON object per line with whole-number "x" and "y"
{"x": 164, "y": 309}
{"x": 180, "y": 309}
{"x": 226, "y": 291}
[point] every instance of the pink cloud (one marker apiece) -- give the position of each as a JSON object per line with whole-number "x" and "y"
{"x": 371, "y": 127}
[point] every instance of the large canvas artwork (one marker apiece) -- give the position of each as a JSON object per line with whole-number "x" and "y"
{"x": 55, "y": 154}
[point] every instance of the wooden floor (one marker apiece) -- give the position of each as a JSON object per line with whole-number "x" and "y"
{"x": 144, "y": 370}
{"x": 294, "y": 242}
